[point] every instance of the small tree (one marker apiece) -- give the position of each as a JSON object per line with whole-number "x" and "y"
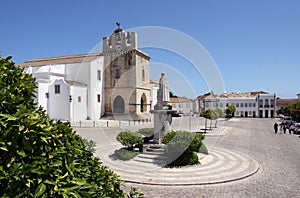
{"x": 207, "y": 114}
{"x": 215, "y": 116}
{"x": 220, "y": 115}
{"x": 230, "y": 110}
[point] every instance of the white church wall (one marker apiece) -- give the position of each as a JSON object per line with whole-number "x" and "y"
{"x": 96, "y": 94}
{"x": 42, "y": 93}
{"x": 78, "y": 104}
{"x": 59, "y": 104}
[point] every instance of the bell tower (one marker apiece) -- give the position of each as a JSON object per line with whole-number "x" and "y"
{"x": 127, "y": 76}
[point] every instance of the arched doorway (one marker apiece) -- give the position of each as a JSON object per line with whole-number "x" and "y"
{"x": 143, "y": 103}
{"x": 118, "y": 105}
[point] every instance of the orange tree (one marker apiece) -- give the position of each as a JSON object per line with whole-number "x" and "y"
{"x": 40, "y": 157}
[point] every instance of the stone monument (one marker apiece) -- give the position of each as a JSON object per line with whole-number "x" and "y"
{"x": 162, "y": 110}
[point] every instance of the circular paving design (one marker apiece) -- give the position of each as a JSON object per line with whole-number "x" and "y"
{"x": 218, "y": 167}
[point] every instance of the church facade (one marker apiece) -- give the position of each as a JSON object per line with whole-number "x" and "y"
{"x": 88, "y": 86}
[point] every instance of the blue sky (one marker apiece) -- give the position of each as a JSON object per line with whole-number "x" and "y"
{"x": 255, "y": 44}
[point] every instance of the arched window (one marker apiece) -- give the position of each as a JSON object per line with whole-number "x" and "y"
{"x": 117, "y": 74}
{"x": 143, "y": 103}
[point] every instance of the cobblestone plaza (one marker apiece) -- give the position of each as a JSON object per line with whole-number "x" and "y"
{"x": 276, "y": 154}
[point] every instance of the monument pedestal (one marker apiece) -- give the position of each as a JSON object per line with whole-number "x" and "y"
{"x": 162, "y": 123}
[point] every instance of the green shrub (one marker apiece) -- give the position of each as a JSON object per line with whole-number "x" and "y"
{"x": 40, "y": 157}
{"x": 187, "y": 158}
{"x": 183, "y": 140}
{"x": 124, "y": 154}
{"x": 203, "y": 149}
{"x": 182, "y": 147}
{"x": 166, "y": 138}
{"x": 129, "y": 139}
{"x": 146, "y": 131}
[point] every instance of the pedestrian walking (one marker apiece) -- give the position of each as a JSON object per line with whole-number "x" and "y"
{"x": 284, "y": 128}
{"x": 276, "y": 128}
{"x": 280, "y": 129}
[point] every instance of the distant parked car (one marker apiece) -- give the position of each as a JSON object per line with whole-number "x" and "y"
{"x": 297, "y": 129}
{"x": 176, "y": 114}
{"x": 287, "y": 120}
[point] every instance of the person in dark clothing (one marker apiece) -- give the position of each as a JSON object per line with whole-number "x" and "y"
{"x": 276, "y": 127}
{"x": 284, "y": 128}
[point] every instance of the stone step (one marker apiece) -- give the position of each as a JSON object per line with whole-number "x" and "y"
{"x": 155, "y": 151}
{"x": 152, "y": 156}
{"x": 160, "y": 162}
{"x": 157, "y": 146}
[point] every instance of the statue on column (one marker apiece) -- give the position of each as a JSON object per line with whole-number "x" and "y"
{"x": 162, "y": 110}
{"x": 163, "y": 94}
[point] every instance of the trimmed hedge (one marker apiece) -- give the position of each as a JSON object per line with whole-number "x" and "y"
{"x": 124, "y": 154}
{"x": 187, "y": 158}
{"x": 146, "y": 131}
{"x": 129, "y": 139}
{"x": 182, "y": 147}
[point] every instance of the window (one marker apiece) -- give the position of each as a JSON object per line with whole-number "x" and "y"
{"x": 98, "y": 98}
{"x": 79, "y": 98}
{"x": 246, "y": 104}
{"x": 99, "y": 75}
{"x": 242, "y": 104}
{"x": 143, "y": 75}
{"x": 250, "y": 104}
{"x": 237, "y": 113}
{"x": 117, "y": 74}
{"x": 57, "y": 89}
{"x": 237, "y": 104}
{"x": 254, "y": 105}
{"x": 227, "y": 104}
{"x": 47, "y": 95}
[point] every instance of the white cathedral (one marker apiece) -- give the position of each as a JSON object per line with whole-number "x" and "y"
{"x": 89, "y": 86}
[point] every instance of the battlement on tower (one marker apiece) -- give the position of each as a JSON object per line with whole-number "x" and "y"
{"x": 120, "y": 41}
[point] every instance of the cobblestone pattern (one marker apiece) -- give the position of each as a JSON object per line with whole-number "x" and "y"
{"x": 277, "y": 155}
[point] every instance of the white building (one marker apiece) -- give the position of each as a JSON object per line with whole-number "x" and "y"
{"x": 114, "y": 82}
{"x": 252, "y": 104}
{"x": 69, "y": 87}
{"x": 182, "y": 105}
{"x": 154, "y": 86}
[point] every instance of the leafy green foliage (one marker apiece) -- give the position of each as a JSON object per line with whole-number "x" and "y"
{"x": 135, "y": 193}
{"x": 203, "y": 149}
{"x": 166, "y": 138}
{"x": 146, "y": 131}
{"x": 230, "y": 110}
{"x": 124, "y": 154}
{"x": 220, "y": 113}
{"x": 129, "y": 139}
{"x": 40, "y": 157}
{"x": 207, "y": 114}
{"x": 187, "y": 158}
{"x": 291, "y": 110}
